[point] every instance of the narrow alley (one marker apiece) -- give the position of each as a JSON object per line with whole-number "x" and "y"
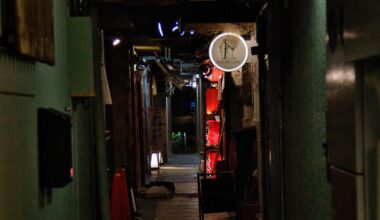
{"x": 182, "y": 171}
{"x": 189, "y": 109}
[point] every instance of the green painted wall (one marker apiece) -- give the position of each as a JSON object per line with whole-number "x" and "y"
{"x": 24, "y": 87}
{"x": 85, "y": 174}
{"x": 306, "y": 189}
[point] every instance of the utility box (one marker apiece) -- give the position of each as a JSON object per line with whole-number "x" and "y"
{"x": 80, "y": 57}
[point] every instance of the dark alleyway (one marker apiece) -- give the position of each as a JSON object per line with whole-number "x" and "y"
{"x": 182, "y": 171}
{"x": 278, "y": 100}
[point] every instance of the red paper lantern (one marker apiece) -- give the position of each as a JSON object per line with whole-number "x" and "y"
{"x": 212, "y": 132}
{"x": 216, "y": 75}
{"x": 211, "y": 100}
{"x": 210, "y": 161}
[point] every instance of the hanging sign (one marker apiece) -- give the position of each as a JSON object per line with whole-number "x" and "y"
{"x": 228, "y": 52}
{"x": 212, "y": 133}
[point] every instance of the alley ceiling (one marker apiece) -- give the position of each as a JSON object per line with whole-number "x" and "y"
{"x": 138, "y": 20}
{"x": 140, "y": 14}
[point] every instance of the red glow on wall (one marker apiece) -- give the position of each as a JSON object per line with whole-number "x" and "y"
{"x": 212, "y": 132}
{"x": 211, "y": 100}
{"x": 216, "y": 75}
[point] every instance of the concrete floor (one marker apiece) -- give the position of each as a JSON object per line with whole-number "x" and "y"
{"x": 182, "y": 171}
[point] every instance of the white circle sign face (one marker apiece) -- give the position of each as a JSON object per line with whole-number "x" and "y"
{"x": 228, "y": 52}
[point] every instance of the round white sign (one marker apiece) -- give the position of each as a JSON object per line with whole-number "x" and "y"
{"x": 228, "y": 52}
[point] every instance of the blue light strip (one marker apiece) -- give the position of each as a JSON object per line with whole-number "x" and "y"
{"x": 159, "y": 26}
{"x": 175, "y": 28}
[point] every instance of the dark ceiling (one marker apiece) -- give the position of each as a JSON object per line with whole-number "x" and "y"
{"x": 138, "y": 20}
{"x": 140, "y": 16}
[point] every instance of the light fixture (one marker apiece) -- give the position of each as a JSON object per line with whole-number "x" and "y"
{"x": 211, "y": 100}
{"x": 212, "y": 136}
{"x": 216, "y": 75}
{"x": 159, "y": 26}
{"x": 154, "y": 160}
{"x": 172, "y": 31}
{"x": 116, "y": 42}
{"x": 175, "y": 28}
{"x": 194, "y": 84}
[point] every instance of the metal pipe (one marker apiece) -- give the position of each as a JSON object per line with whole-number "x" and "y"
{"x": 169, "y": 125}
{"x": 146, "y": 47}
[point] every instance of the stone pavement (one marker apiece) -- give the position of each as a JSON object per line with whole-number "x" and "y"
{"x": 182, "y": 171}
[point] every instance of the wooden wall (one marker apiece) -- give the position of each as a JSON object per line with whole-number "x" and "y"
{"x": 125, "y": 116}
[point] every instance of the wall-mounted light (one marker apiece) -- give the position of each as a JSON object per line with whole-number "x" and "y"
{"x": 155, "y": 160}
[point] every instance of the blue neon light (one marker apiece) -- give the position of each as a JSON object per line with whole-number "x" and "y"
{"x": 159, "y": 26}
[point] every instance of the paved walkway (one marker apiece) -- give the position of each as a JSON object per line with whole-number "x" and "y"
{"x": 182, "y": 171}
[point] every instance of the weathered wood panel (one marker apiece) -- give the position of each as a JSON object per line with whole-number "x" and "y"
{"x": 33, "y": 29}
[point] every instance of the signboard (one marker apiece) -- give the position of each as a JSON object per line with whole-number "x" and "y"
{"x": 211, "y": 160}
{"x": 228, "y": 52}
{"x": 212, "y": 133}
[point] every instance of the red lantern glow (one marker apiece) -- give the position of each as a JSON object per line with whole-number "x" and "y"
{"x": 212, "y": 132}
{"x": 210, "y": 161}
{"x": 211, "y": 100}
{"x": 216, "y": 75}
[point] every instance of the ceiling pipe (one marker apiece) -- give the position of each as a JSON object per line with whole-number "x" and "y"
{"x": 147, "y": 48}
{"x": 169, "y": 75}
